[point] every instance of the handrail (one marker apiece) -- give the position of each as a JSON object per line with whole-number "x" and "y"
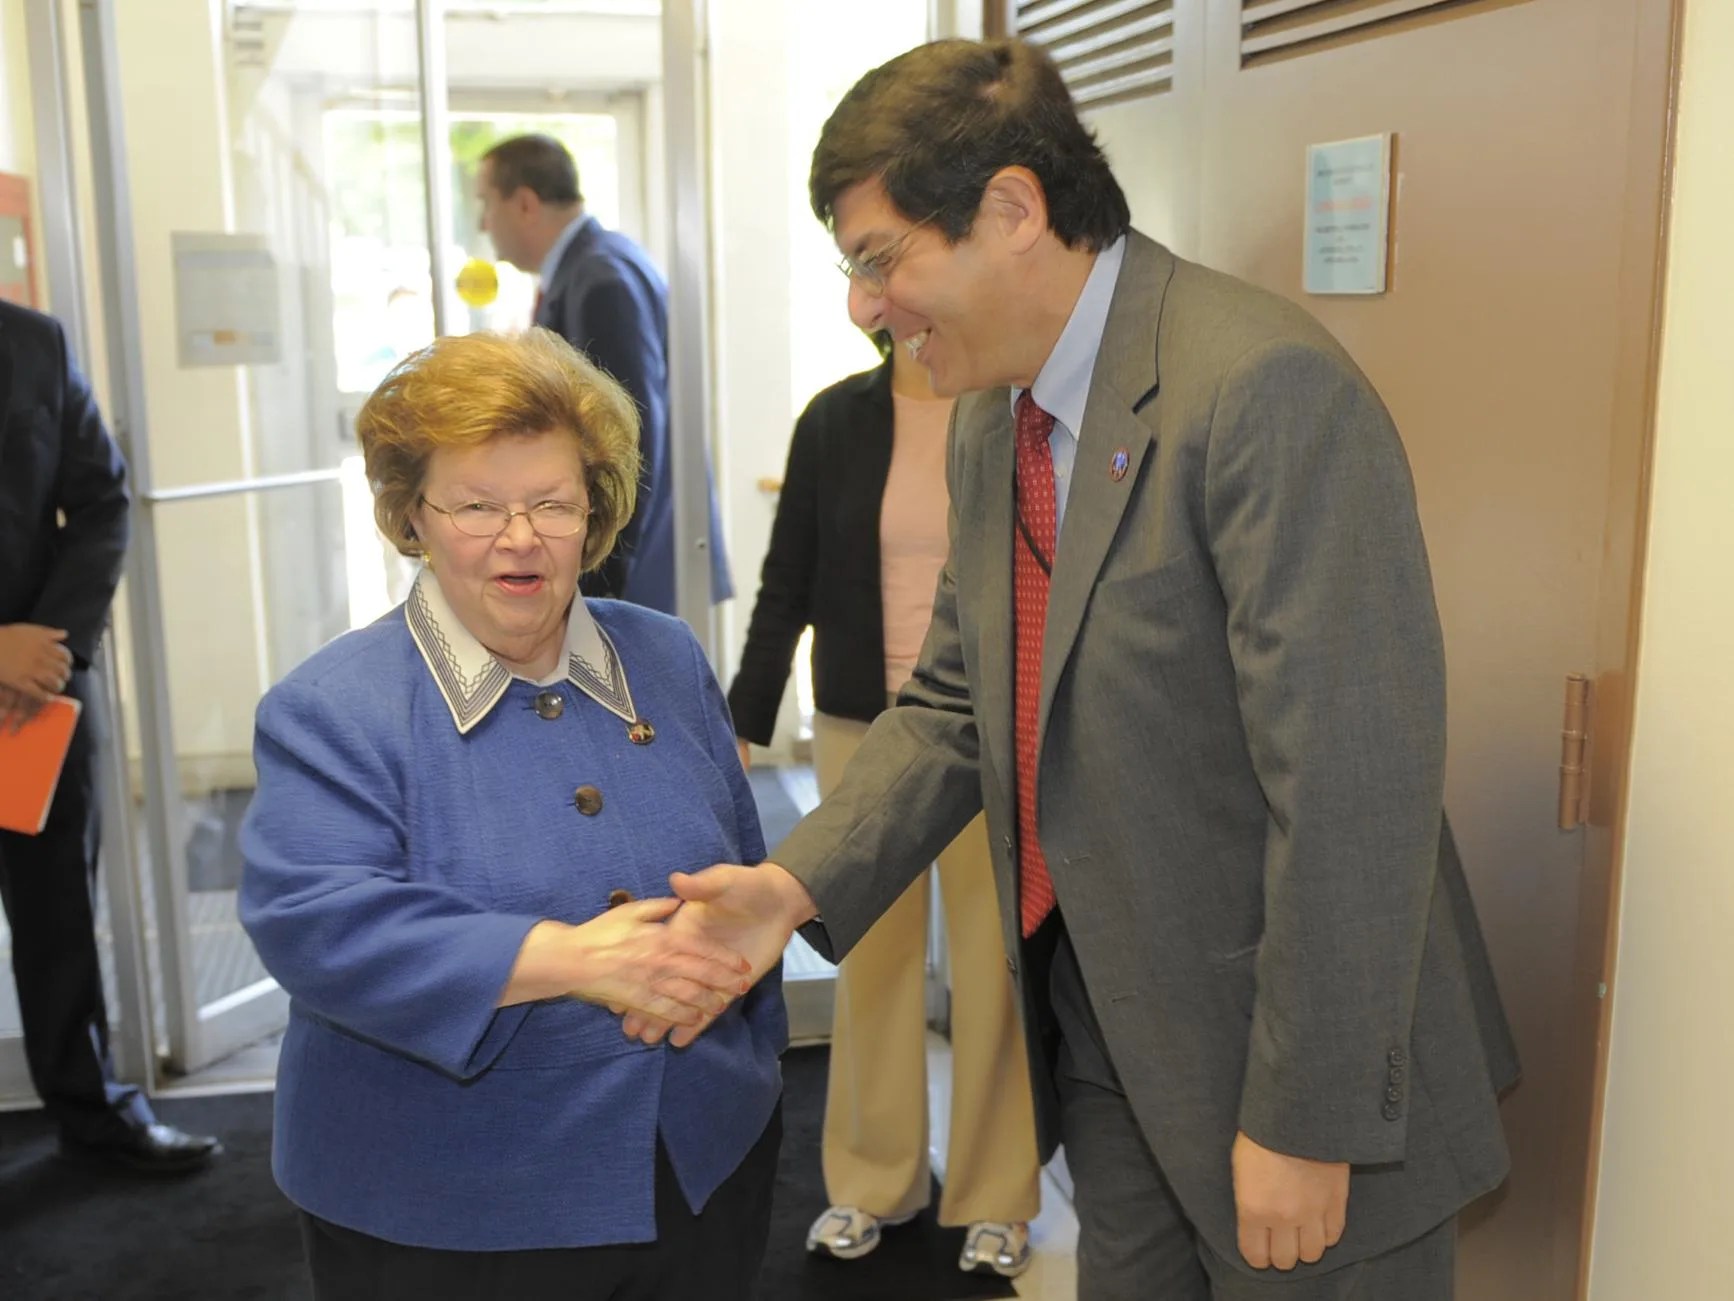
{"x": 263, "y": 483}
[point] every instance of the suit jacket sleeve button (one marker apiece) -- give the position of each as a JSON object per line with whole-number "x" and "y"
{"x": 588, "y": 800}
{"x": 1391, "y": 1111}
{"x": 1393, "y": 1094}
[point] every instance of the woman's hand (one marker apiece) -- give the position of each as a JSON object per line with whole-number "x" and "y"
{"x": 751, "y": 909}
{"x": 628, "y": 961}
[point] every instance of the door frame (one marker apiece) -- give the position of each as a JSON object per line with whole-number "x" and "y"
{"x": 1656, "y": 61}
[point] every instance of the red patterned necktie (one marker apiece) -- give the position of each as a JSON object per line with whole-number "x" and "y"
{"x": 1034, "y": 528}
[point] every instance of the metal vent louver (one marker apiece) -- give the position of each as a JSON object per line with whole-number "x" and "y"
{"x": 1108, "y": 51}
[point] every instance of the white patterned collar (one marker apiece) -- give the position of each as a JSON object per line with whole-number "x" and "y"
{"x": 472, "y": 680}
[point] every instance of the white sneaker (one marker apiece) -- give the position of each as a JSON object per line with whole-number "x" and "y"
{"x": 992, "y": 1247}
{"x": 848, "y": 1232}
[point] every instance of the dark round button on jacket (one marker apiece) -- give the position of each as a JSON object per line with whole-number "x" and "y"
{"x": 588, "y": 799}
{"x": 549, "y": 705}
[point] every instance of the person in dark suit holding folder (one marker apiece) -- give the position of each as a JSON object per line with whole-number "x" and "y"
{"x": 63, "y": 534}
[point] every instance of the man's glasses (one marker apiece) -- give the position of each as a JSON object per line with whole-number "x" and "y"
{"x": 489, "y": 519}
{"x": 870, "y": 271}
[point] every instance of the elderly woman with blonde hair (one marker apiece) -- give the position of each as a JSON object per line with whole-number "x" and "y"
{"x": 465, "y": 818}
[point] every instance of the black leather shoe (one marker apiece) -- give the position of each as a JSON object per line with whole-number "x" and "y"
{"x": 145, "y": 1150}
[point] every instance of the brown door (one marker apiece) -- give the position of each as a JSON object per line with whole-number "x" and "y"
{"x": 1514, "y": 345}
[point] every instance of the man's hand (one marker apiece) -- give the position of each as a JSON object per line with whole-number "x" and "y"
{"x": 746, "y": 749}
{"x": 16, "y": 709}
{"x": 34, "y": 662}
{"x": 1290, "y": 1209}
{"x": 628, "y": 960}
{"x": 747, "y": 910}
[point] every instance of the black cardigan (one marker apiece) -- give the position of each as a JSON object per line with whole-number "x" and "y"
{"x": 822, "y": 567}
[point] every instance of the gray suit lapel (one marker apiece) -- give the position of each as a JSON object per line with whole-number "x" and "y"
{"x": 1125, "y": 377}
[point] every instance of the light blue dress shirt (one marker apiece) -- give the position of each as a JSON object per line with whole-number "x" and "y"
{"x": 1062, "y": 385}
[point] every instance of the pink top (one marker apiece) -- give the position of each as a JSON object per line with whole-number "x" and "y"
{"x": 912, "y": 533}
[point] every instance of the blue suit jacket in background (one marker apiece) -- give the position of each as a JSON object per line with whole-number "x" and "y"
{"x": 607, "y": 300}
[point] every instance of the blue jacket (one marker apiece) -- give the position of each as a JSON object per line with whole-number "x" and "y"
{"x": 394, "y": 865}
{"x": 608, "y": 301}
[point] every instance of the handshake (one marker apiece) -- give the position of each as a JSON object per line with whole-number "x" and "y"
{"x": 694, "y": 954}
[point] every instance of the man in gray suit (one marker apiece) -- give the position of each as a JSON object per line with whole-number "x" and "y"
{"x": 1185, "y": 654}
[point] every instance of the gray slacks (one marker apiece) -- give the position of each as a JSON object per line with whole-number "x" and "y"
{"x": 1134, "y": 1241}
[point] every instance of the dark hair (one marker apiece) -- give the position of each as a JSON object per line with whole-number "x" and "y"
{"x": 935, "y": 124}
{"x": 540, "y": 162}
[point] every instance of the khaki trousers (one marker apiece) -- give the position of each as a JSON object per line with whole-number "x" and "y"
{"x": 876, "y": 1135}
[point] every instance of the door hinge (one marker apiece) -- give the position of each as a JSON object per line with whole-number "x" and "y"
{"x": 1574, "y": 777}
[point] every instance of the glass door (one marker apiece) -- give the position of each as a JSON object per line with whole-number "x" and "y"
{"x": 262, "y": 173}
{"x": 268, "y": 251}
{"x": 232, "y": 223}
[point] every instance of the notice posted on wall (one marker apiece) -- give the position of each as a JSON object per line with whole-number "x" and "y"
{"x": 226, "y": 310}
{"x": 1348, "y": 215}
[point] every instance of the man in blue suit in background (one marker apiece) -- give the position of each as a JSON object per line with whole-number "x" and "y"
{"x": 600, "y": 292}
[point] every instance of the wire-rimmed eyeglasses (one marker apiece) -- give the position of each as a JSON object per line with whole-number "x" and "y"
{"x": 871, "y": 270}
{"x": 489, "y": 519}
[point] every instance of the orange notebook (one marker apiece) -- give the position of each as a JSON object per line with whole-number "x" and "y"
{"x": 30, "y": 764}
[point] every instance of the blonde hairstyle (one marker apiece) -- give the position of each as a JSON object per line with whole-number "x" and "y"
{"x": 464, "y": 390}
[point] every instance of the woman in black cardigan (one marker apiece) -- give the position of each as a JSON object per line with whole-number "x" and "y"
{"x": 855, "y": 553}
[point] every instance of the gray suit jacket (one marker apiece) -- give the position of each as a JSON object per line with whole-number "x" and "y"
{"x": 1241, "y": 761}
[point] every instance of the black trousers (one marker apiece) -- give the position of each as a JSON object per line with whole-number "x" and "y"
{"x": 714, "y": 1255}
{"x": 48, "y": 885}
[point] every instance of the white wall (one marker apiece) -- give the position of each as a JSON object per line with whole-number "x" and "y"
{"x": 1665, "y": 1202}
{"x": 779, "y": 306}
{"x": 17, "y": 148}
